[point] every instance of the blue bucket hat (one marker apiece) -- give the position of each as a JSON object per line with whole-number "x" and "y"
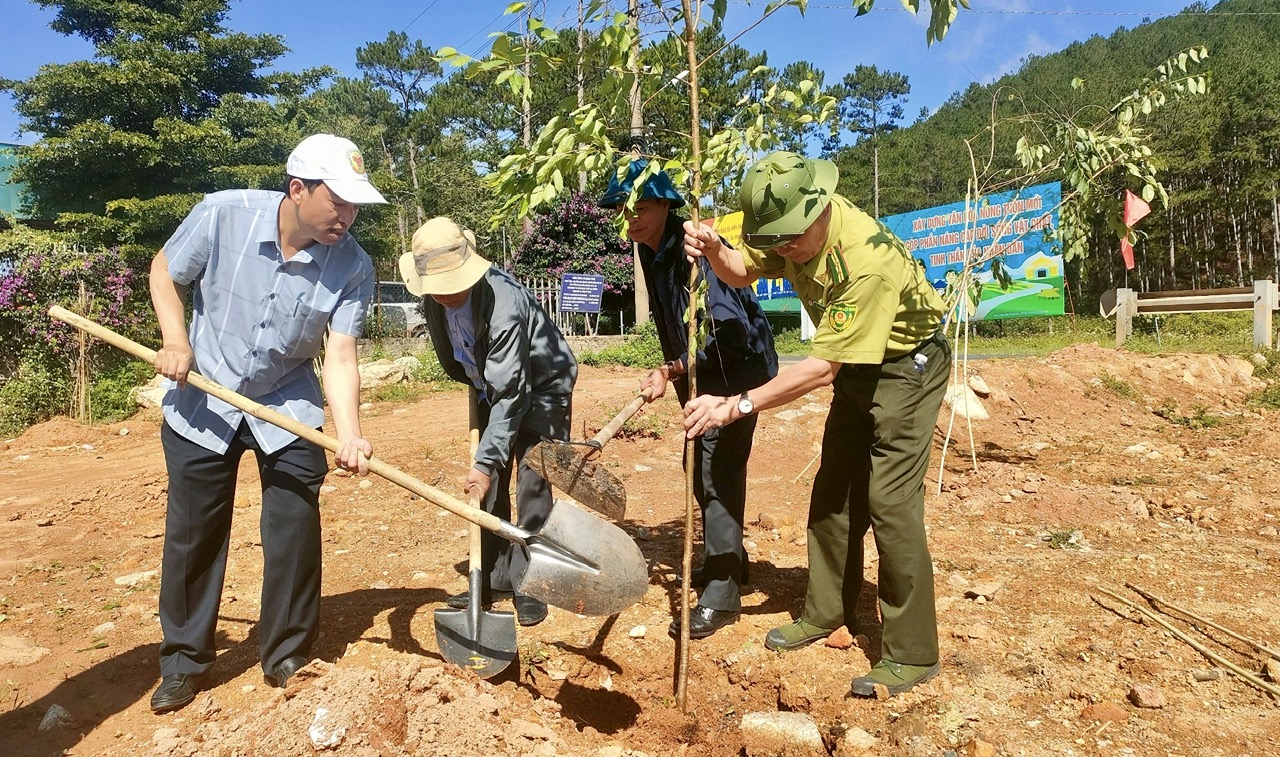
{"x": 656, "y": 187}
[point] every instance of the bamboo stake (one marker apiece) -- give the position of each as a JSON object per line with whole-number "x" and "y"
{"x": 1224, "y": 662}
{"x": 691, "y": 318}
{"x": 1157, "y": 600}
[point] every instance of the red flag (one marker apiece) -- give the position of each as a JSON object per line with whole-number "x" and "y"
{"x": 1126, "y": 252}
{"x": 1135, "y": 209}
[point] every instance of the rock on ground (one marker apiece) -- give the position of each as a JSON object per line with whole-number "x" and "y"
{"x": 781, "y": 734}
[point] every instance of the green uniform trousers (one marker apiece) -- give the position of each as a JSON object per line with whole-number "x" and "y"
{"x": 875, "y": 450}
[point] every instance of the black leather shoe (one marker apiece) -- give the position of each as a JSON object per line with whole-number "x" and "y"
{"x": 285, "y": 670}
{"x": 175, "y": 692}
{"x": 698, "y": 578}
{"x": 488, "y": 597}
{"x": 704, "y": 621}
{"x": 530, "y": 611}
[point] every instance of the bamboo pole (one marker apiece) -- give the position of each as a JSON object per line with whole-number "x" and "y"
{"x": 1248, "y": 677}
{"x": 691, "y": 318}
{"x": 1157, "y": 600}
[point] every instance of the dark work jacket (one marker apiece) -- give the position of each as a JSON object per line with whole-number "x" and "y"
{"x": 526, "y": 365}
{"x": 739, "y": 353}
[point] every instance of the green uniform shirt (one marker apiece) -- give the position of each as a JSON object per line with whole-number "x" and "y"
{"x": 868, "y": 298}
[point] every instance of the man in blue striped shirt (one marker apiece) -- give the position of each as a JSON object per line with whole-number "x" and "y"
{"x": 268, "y": 274}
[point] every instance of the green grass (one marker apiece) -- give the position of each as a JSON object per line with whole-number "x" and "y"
{"x": 1216, "y": 333}
{"x": 1199, "y": 418}
{"x": 1119, "y": 387}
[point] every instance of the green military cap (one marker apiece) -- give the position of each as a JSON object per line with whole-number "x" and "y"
{"x": 782, "y": 195}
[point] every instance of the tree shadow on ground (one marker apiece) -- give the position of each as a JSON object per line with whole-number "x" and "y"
{"x": 104, "y": 689}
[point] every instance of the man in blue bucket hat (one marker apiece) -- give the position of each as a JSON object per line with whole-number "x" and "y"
{"x": 737, "y": 357}
{"x": 879, "y": 344}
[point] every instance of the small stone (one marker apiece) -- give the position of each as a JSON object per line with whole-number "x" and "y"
{"x": 1031, "y": 487}
{"x": 326, "y": 489}
{"x": 1041, "y": 446}
{"x": 881, "y": 691}
{"x": 46, "y": 521}
{"x": 979, "y": 386}
{"x": 840, "y": 638}
{"x": 340, "y": 472}
{"x": 530, "y": 730}
{"x": 133, "y": 579}
{"x": 420, "y": 575}
{"x": 325, "y": 730}
{"x": 781, "y": 733}
{"x": 643, "y": 534}
{"x": 610, "y": 750}
{"x": 124, "y": 432}
{"x": 856, "y": 738}
{"x": 986, "y": 590}
{"x": 366, "y": 406}
{"x": 638, "y": 632}
{"x": 1271, "y": 670}
{"x": 978, "y": 748}
{"x": 1205, "y": 675}
{"x": 380, "y": 585}
{"x": 365, "y": 484}
{"x": 1006, "y": 499}
{"x": 975, "y": 631}
{"x": 103, "y": 629}
{"x": 642, "y": 468}
{"x": 788, "y": 415}
{"x": 1268, "y": 531}
{"x": 1147, "y": 695}
{"x": 462, "y": 534}
{"x": 1106, "y": 711}
{"x": 56, "y": 717}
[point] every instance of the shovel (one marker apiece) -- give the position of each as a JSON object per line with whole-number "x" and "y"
{"x": 577, "y": 474}
{"x": 603, "y": 574}
{"x": 483, "y": 641}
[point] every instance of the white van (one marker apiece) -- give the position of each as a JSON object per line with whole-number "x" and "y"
{"x": 398, "y": 309}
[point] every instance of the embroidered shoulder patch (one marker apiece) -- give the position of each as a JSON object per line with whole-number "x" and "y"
{"x": 841, "y": 316}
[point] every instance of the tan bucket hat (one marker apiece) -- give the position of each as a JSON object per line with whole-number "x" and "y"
{"x": 443, "y": 259}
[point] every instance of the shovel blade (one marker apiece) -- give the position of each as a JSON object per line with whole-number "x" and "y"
{"x": 485, "y": 647}
{"x": 609, "y": 575}
{"x": 567, "y": 468}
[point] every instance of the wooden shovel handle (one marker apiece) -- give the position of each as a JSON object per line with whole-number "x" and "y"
{"x": 612, "y": 427}
{"x": 422, "y": 489}
{"x": 473, "y": 445}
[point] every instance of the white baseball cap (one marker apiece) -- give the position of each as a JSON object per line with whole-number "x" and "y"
{"x": 338, "y": 163}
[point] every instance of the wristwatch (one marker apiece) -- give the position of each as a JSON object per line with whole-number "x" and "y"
{"x": 745, "y": 405}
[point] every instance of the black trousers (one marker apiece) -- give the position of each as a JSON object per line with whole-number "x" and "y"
{"x": 202, "y": 487}
{"x": 720, "y": 486}
{"x": 504, "y": 563}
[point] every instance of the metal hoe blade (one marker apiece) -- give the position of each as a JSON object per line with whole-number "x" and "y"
{"x": 576, "y": 474}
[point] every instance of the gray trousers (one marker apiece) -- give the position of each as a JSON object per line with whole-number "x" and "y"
{"x": 504, "y": 563}
{"x": 720, "y": 486}
{"x": 202, "y": 488}
{"x": 875, "y": 451}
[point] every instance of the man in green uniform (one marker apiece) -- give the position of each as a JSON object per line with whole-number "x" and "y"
{"x": 879, "y": 343}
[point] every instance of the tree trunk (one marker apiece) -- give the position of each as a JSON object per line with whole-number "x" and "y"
{"x": 875, "y": 175}
{"x": 582, "y": 20}
{"x": 413, "y": 178}
{"x": 637, "y": 130}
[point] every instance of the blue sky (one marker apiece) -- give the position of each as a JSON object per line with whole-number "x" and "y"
{"x": 984, "y": 43}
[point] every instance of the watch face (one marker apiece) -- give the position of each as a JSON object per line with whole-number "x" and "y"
{"x": 745, "y": 406}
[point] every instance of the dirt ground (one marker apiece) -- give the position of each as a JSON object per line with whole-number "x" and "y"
{"x": 1096, "y": 468}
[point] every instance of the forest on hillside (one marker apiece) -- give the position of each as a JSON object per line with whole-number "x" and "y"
{"x": 1220, "y": 152}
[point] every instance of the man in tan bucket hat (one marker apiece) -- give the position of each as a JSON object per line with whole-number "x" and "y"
{"x": 491, "y": 334}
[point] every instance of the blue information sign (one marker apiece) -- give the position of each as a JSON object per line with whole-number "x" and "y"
{"x": 581, "y": 293}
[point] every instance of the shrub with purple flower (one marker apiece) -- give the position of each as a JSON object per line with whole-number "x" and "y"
{"x": 575, "y": 236}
